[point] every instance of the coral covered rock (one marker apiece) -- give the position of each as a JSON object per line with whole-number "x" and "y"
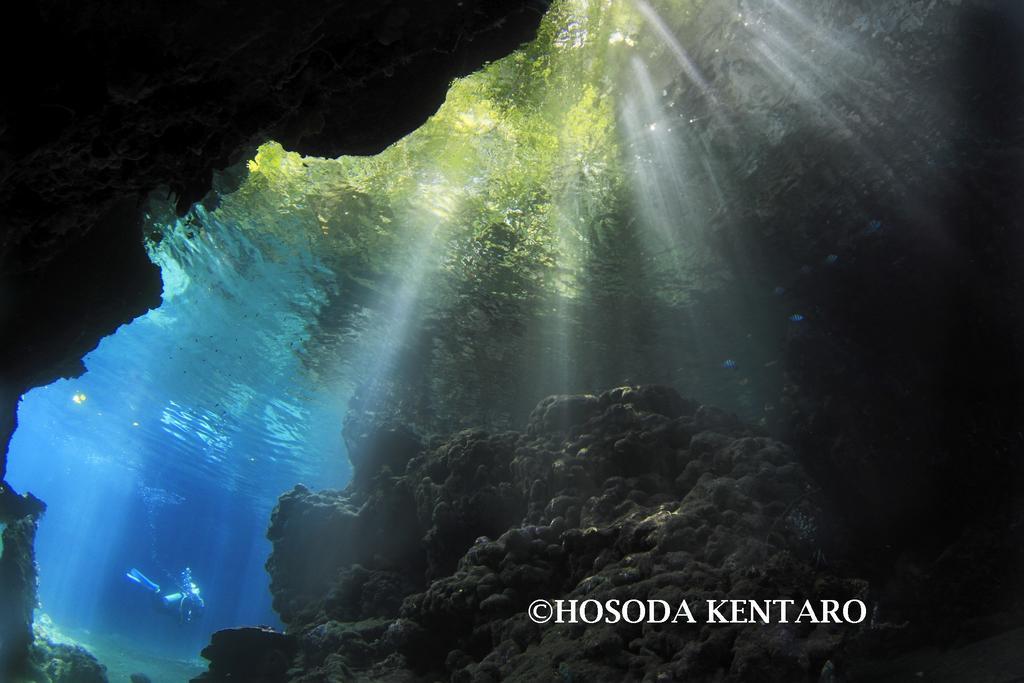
{"x": 633, "y": 494}
{"x": 71, "y": 664}
{"x": 57, "y": 659}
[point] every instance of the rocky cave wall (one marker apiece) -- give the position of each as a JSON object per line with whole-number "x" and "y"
{"x": 17, "y": 586}
{"x": 904, "y": 398}
{"x": 104, "y": 104}
{"x": 423, "y": 568}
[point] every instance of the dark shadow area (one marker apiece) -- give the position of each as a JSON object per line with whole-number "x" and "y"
{"x": 907, "y": 397}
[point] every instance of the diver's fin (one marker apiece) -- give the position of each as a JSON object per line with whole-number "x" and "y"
{"x": 140, "y": 578}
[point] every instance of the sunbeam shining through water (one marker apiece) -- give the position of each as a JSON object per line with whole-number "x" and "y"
{"x": 480, "y": 263}
{"x": 693, "y": 194}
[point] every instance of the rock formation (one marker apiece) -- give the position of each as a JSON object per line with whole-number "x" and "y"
{"x": 423, "y": 568}
{"x": 19, "y": 517}
{"x": 254, "y": 655}
{"x": 104, "y": 105}
{"x": 65, "y": 663}
{"x": 124, "y": 99}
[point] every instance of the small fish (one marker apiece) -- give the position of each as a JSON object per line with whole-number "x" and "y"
{"x": 831, "y": 259}
{"x": 729, "y": 364}
{"x": 796, "y": 318}
{"x": 779, "y": 291}
{"x": 874, "y": 226}
{"x": 805, "y": 270}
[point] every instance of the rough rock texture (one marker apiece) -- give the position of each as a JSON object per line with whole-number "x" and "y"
{"x": 424, "y": 572}
{"x": 254, "y": 655}
{"x": 911, "y": 371}
{"x": 18, "y": 522}
{"x": 65, "y": 663}
{"x": 103, "y": 105}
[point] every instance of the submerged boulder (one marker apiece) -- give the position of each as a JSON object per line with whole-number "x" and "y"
{"x": 254, "y": 655}
{"x": 58, "y": 659}
{"x": 636, "y": 494}
{"x": 63, "y": 663}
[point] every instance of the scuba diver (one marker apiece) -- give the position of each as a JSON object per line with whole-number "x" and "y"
{"x": 185, "y": 602}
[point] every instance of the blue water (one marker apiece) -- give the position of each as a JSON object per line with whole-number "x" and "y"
{"x": 171, "y": 450}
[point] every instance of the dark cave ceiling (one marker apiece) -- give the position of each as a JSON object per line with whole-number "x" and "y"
{"x": 104, "y": 104}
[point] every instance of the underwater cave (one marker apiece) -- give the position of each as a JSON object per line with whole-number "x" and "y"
{"x": 338, "y": 339}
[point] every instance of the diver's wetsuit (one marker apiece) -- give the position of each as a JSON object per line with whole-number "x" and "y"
{"x": 185, "y": 603}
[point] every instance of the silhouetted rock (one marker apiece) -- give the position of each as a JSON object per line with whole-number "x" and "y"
{"x": 19, "y": 516}
{"x": 633, "y": 494}
{"x": 254, "y": 655}
{"x": 131, "y": 99}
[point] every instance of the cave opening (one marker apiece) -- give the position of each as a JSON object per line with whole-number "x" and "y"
{"x": 540, "y": 234}
{"x": 764, "y": 207}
